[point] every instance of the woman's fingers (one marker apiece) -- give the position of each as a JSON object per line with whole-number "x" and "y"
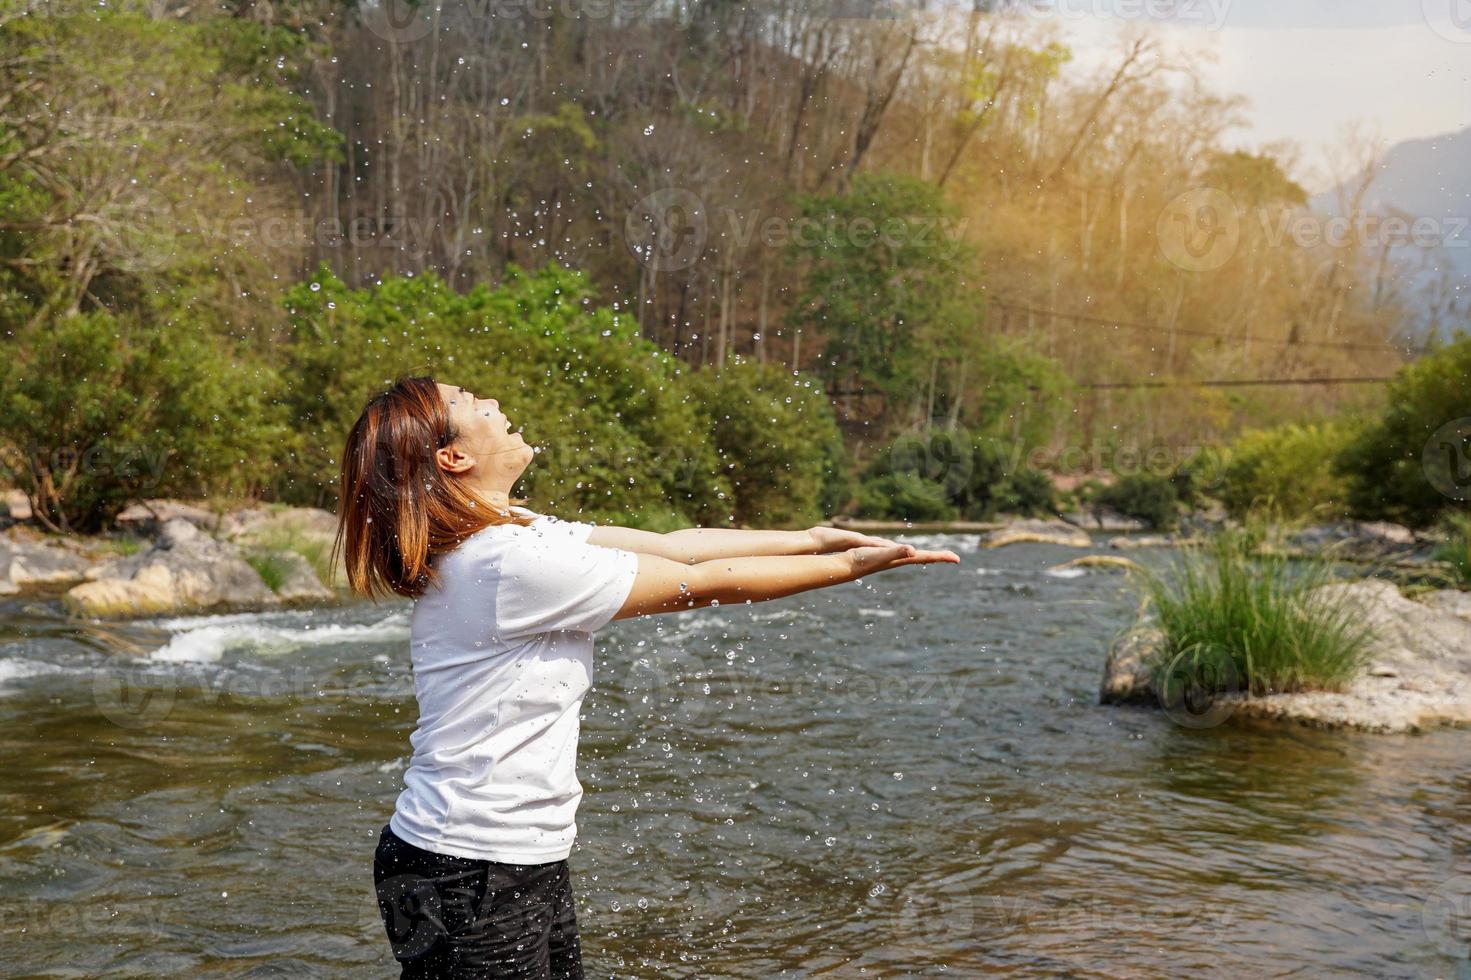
{"x": 931, "y": 558}
{"x": 873, "y": 559}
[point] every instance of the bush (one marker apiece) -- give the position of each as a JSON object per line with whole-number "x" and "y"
{"x": 1289, "y": 470}
{"x": 944, "y": 475}
{"x": 777, "y": 441}
{"x": 1228, "y": 604}
{"x": 905, "y": 496}
{"x": 623, "y": 431}
{"x": 1385, "y": 465}
{"x": 97, "y": 410}
{"x": 1144, "y": 497}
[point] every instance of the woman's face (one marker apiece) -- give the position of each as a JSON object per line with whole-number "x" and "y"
{"x": 486, "y": 434}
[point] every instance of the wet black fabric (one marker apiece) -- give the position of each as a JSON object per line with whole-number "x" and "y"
{"x": 463, "y": 919}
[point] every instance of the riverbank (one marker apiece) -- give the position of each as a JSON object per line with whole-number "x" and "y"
{"x": 174, "y": 557}
{"x": 188, "y": 556}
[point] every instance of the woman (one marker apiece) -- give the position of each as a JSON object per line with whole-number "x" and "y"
{"x": 471, "y": 870}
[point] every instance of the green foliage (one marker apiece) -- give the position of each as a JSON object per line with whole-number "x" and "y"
{"x": 1227, "y": 602}
{"x": 1289, "y": 471}
{"x": 944, "y": 475}
{"x": 625, "y": 433}
{"x": 777, "y": 441}
{"x": 885, "y": 283}
{"x": 1253, "y": 181}
{"x": 1145, "y": 497}
{"x": 1456, "y": 548}
{"x": 904, "y": 496}
{"x": 1386, "y": 464}
{"x": 97, "y": 410}
{"x": 269, "y": 566}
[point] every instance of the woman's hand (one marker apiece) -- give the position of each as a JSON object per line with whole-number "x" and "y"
{"x": 828, "y": 540}
{"x": 867, "y": 560}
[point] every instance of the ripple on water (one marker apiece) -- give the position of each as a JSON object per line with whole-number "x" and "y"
{"x": 809, "y": 787}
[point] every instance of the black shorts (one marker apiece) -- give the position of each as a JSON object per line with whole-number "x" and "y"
{"x": 453, "y": 917}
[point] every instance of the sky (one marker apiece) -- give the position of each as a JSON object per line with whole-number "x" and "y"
{"x": 1402, "y": 68}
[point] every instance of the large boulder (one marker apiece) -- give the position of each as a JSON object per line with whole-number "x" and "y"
{"x": 1367, "y": 541}
{"x": 304, "y": 530}
{"x": 186, "y": 571}
{"x": 298, "y": 580}
{"x": 1419, "y": 675}
{"x": 28, "y": 560}
{"x": 1058, "y": 533}
{"x": 146, "y": 518}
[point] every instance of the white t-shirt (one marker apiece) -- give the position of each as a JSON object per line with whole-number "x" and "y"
{"x": 502, "y": 654}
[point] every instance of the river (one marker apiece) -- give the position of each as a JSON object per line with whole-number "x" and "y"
{"x": 909, "y": 775}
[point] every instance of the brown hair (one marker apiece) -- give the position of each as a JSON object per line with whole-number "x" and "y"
{"x": 398, "y": 509}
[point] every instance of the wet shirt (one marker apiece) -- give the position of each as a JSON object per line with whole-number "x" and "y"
{"x": 502, "y": 655}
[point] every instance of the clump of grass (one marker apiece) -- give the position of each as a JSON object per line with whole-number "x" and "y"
{"x": 122, "y": 545}
{"x": 1456, "y": 549}
{"x": 1231, "y": 605}
{"x": 269, "y": 566}
{"x": 317, "y": 550}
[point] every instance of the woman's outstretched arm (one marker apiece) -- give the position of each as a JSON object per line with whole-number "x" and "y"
{"x": 667, "y": 586}
{"x": 696, "y": 544}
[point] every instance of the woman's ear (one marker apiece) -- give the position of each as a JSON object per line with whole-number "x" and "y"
{"x": 452, "y": 460}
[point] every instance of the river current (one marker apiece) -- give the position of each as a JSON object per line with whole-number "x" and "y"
{"x": 905, "y": 776}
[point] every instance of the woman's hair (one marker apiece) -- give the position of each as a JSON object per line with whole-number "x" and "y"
{"x": 398, "y": 509}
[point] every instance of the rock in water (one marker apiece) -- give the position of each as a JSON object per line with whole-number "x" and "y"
{"x": 1127, "y": 675}
{"x": 185, "y": 571}
{"x": 27, "y": 561}
{"x": 1356, "y": 541}
{"x": 1038, "y": 532}
{"x": 1114, "y": 562}
{"x": 1419, "y": 675}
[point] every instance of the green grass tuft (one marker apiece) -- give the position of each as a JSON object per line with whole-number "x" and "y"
{"x": 269, "y": 567}
{"x": 1456, "y": 550}
{"x": 1230, "y": 603}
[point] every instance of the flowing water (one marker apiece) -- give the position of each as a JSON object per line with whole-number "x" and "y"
{"x": 905, "y": 776}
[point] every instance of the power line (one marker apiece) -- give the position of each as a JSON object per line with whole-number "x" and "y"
{"x": 1231, "y": 383}
{"x": 1156, "y": 328}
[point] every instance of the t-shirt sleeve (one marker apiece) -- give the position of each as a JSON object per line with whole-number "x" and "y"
{"x": 551, "y": 582}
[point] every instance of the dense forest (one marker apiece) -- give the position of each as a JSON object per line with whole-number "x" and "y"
{"x": 695, "y": 245}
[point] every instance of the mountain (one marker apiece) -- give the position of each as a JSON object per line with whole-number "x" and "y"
{"x": 1427, "y": 179}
